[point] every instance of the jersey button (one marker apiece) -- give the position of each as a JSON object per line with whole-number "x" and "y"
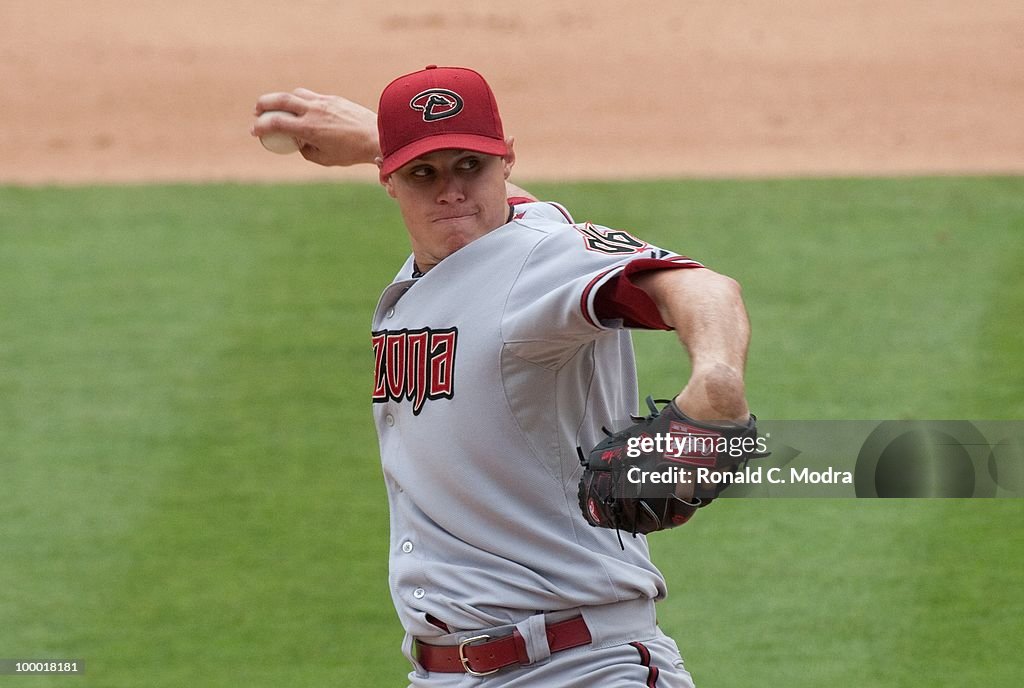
{"x": 418, "y": 593}
{"x": 406, "y": 546}
{"x": 390, "y": 313}
{"x": 390, "y": 420}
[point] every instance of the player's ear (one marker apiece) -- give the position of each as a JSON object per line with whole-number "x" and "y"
{"x": 510, "y": 157}
{"x": 384, "y": 181}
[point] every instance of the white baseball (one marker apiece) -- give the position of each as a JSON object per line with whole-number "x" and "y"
{"x": 276, "y": 142}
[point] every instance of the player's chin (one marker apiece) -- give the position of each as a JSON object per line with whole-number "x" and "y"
{"x": 455, "y": 243}
{"x": 459, "y": 232}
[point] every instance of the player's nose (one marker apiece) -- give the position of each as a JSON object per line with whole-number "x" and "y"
{"x": 451, "y": 190}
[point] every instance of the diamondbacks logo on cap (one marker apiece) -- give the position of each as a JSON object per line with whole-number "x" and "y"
{"x": 437, "y": 103}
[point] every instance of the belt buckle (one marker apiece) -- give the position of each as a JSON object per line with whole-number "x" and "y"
{"x": 465, "y": 661}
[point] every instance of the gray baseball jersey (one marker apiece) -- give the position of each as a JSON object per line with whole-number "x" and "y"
{"x": 490, "y": 370}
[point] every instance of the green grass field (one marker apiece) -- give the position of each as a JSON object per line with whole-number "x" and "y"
{"x": 190, "y": 493}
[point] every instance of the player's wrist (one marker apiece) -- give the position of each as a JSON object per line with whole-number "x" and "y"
{"x": 370, "y": 147}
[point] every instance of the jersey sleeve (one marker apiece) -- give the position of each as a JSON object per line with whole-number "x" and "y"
{"x": 576, "y": 285}
{"x": 620, "y": 299}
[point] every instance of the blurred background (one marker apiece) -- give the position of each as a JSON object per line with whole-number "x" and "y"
{"x": 113, "y": 90}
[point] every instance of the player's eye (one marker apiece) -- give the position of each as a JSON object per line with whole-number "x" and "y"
{"x": 470, "y": 163}
{"x": 421, "y": 172}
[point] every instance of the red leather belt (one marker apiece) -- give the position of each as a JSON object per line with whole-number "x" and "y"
{"x": 481, "y": 655}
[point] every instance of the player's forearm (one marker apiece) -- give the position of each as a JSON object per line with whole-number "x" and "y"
{"x": 707, "y": 312}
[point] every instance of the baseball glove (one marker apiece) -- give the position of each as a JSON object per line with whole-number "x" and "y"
{"x": 654, "y": 475}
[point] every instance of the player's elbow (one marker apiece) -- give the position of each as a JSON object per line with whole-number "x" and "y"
{"x": 729, "y": 296}
{"x": 717, "y": 299}
{"x": 705, "y": 281}
{"x": 729, "y": 289}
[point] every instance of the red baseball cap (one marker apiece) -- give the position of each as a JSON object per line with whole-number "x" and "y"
{"x": 437, "y": 108}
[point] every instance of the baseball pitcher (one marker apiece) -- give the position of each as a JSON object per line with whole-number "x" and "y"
{"x": 503, "y": 387}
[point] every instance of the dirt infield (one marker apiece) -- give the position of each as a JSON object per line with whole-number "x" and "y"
{"x": 143, "y": 90}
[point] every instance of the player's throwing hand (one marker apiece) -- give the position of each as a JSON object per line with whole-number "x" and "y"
{"x": 330, "y": 130}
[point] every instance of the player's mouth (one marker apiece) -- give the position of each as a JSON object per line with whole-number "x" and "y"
{"x": 459, "y": 216}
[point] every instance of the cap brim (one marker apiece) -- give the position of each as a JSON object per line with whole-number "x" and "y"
{"x": 416, "y": 149}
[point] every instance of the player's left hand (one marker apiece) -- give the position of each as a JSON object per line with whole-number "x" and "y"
{"x": 331, "y": 130}
{"x": 624, "y": 486}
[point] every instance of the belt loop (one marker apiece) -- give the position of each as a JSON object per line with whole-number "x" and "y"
{"x": 407, "y": 645}
{"x": 533, "y": 629}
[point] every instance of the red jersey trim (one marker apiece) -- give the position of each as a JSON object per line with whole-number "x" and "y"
{"x": 585, "y": 302}
{"x": 560, "y": 208}
{"x": 618, "y": 298}
{"x": 645, "y": 661}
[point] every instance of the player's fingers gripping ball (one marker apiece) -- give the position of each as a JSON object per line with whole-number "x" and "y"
{"x": 655, "y": 474}
{"x": 277, "y": 142}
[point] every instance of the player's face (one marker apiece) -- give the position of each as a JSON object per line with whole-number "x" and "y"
{"x": 449, "y": 198}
